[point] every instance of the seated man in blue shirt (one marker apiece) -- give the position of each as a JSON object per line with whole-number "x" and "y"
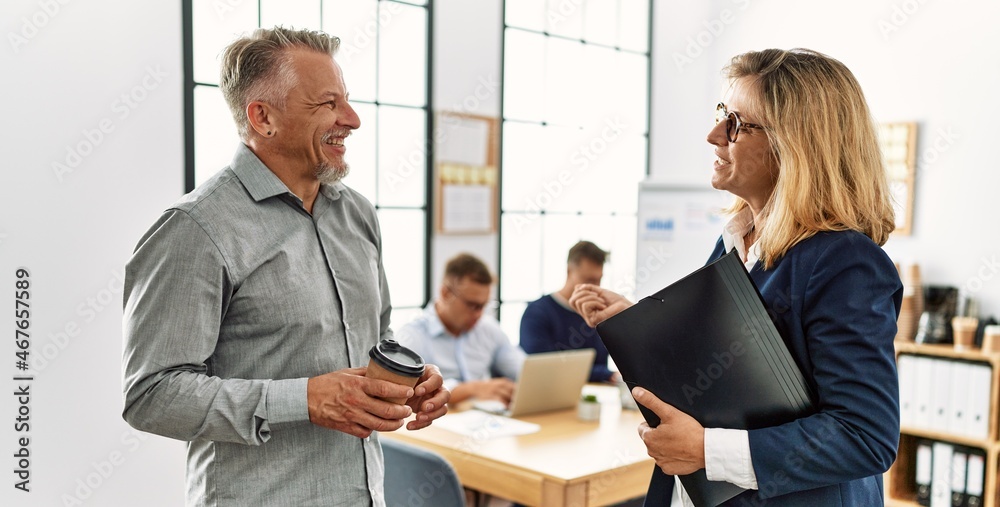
{"x": 476, "y": 358}
{"x": 550, "y": 324}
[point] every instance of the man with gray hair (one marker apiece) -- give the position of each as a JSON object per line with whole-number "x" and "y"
{"x": 251, "y": 304}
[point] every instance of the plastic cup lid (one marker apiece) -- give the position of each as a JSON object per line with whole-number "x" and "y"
{"x": 396, "y": 358}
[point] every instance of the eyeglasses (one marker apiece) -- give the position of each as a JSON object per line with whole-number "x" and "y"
{"x": 471, "y": 305}
{"x": 733, "y": 122}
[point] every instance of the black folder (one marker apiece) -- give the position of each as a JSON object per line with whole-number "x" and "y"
{"x": 706, "y": 345}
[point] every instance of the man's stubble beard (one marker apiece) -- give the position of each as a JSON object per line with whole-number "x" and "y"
{"x": 329, "y": 174}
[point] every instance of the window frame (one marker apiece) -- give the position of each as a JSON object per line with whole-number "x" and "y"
{"x": 190, "y": 137}
{"x": 504, "y": 119}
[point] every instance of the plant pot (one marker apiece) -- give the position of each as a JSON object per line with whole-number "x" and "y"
{"x": 588, "y": 411}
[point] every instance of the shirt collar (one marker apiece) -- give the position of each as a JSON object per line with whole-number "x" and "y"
{"x": 434, "y": 325}
{"x": 262, "y": 183}
{"x": 259, "y": 181}
{"x": 734, "y": 232}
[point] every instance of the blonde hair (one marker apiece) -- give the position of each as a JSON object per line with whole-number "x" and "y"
{"x": 830, "y": 171}
{"x": 257, "y": 67}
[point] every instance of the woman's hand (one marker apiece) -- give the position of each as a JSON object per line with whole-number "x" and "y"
{"x": 595, "y": 304}
{"x": 678, "y": 443}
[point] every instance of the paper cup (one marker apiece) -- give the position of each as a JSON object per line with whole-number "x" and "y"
{"x": 395, "y": 363}
{"x": 964, "y": 331}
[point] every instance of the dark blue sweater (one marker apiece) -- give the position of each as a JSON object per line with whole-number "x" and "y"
{"x": 834, "y": 298}
{"x": 547, "y": 326}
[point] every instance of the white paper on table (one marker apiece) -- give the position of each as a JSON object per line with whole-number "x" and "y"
{"x": 484, "y": 426}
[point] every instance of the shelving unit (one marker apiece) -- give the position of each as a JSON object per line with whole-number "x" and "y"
{"x": 899, "y": 480}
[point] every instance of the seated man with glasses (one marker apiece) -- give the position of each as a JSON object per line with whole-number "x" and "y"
{"x": 476, "y": 358}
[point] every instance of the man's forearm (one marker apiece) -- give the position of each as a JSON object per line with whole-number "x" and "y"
{"x": 464, "y": 391}
{"x": 186, "y": 405}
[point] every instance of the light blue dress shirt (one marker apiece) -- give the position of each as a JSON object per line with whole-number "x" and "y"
{"x": 480, "y": 353}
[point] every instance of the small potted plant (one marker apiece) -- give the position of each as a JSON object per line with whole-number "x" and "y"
{"x": 589, "y": 408}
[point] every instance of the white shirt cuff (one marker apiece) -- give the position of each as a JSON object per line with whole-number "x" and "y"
{"x": 727, "y": 457}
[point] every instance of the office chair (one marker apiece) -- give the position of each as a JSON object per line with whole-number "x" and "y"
{"x": 416, "y": 477}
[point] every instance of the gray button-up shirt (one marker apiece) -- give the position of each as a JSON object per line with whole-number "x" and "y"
{"x": 233, "y": 299}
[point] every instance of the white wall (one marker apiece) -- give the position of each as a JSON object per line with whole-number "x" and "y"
{"x": 933, "y": 62}
{"x": 63, "y": 83}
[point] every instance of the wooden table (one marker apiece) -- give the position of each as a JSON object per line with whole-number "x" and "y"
{"x": 567, "y": 463}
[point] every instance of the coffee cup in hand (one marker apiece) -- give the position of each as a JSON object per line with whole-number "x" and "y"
{"x": 395, "y": 363}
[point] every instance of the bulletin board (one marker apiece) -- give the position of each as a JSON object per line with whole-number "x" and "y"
{"x": 466, "y": 173}
{"x": 898, "y": 142}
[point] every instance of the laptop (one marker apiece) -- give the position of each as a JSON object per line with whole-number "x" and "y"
{"x": 549, "y": 381}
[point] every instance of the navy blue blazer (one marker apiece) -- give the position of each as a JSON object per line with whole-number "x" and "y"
{"x": 834, "y": 298}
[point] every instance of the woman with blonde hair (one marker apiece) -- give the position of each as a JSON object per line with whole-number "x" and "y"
{"x": 796, "y": 145}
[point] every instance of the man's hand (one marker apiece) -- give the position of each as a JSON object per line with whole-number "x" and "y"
{"x": 595, "y": 304}
{"x": 678, "y": 443}
{"x": 499, "y": 388}
{"x": 430, "y": 398}
{"x": 346, "y": 400}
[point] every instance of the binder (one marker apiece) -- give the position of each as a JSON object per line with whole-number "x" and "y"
{"x": 959, "y": 462}
{"x": 924, "y": 472}
{"x": 922, "y": 418}
{"x": 941, "y": 372}
{"x": 975, "y": 478}
{"x": 906, "y": 364}
{"x": 978, "y": 399}
{"x": 706, "y": 345}
{"x": 960, "y": 375}
{"x": 941, "y": 483}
